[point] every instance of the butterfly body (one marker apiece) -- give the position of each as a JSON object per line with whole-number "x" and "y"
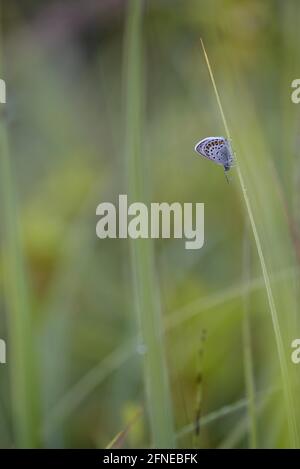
{"x": 216, "y": 149}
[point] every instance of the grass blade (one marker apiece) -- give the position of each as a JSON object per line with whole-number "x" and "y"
{"x": 286, "y": 383}
{"x": 24, "y": 385}
{"x": 247, "y": 348}
{"x": 147, "y": 300}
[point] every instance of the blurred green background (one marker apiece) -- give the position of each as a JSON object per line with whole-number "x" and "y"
{"x": 106, "y": 97}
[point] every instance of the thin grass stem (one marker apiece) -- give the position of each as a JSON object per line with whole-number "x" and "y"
{"x": 247, "y": 348}
{"x": 287, "y": 388}
{"x": 21, "y": 347}
{"x": 147, "y": 297}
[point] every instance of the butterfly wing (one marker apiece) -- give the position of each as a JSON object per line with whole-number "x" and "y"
{"x": 216, "y": 149}
{"x": 203, "y": 147}
{"x": 225, "y": 156}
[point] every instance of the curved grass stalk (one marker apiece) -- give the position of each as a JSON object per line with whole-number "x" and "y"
{"x": 192, "y": 309}
{"x": 227, "y": 411}
{"x": 286, "y": 383}
{"x": 86, "y": 385}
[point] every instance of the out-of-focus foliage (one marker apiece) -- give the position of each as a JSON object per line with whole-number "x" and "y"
{"x": 64, "y": 67}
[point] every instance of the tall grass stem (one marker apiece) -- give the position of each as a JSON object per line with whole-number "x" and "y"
{"x": 147, "y": 297}
{"x": 286, "y": 382}
{"x": 21, "y": 355}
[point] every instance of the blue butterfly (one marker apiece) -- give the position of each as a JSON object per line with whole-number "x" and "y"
{"x": 216, "y": 149}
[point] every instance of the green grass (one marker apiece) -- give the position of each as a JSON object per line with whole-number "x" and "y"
{"x": 146, "y": 290}
{"x": 24, "y": 383}
{"x": 247, "y": 346}
{"x": 76, "y": 117}
{"x": 282, "y": 355}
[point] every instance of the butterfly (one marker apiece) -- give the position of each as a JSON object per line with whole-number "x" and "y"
{"x": 216, "y": 149}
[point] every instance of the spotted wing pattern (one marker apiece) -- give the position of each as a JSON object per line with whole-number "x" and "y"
{"x": 216, "y": 149}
